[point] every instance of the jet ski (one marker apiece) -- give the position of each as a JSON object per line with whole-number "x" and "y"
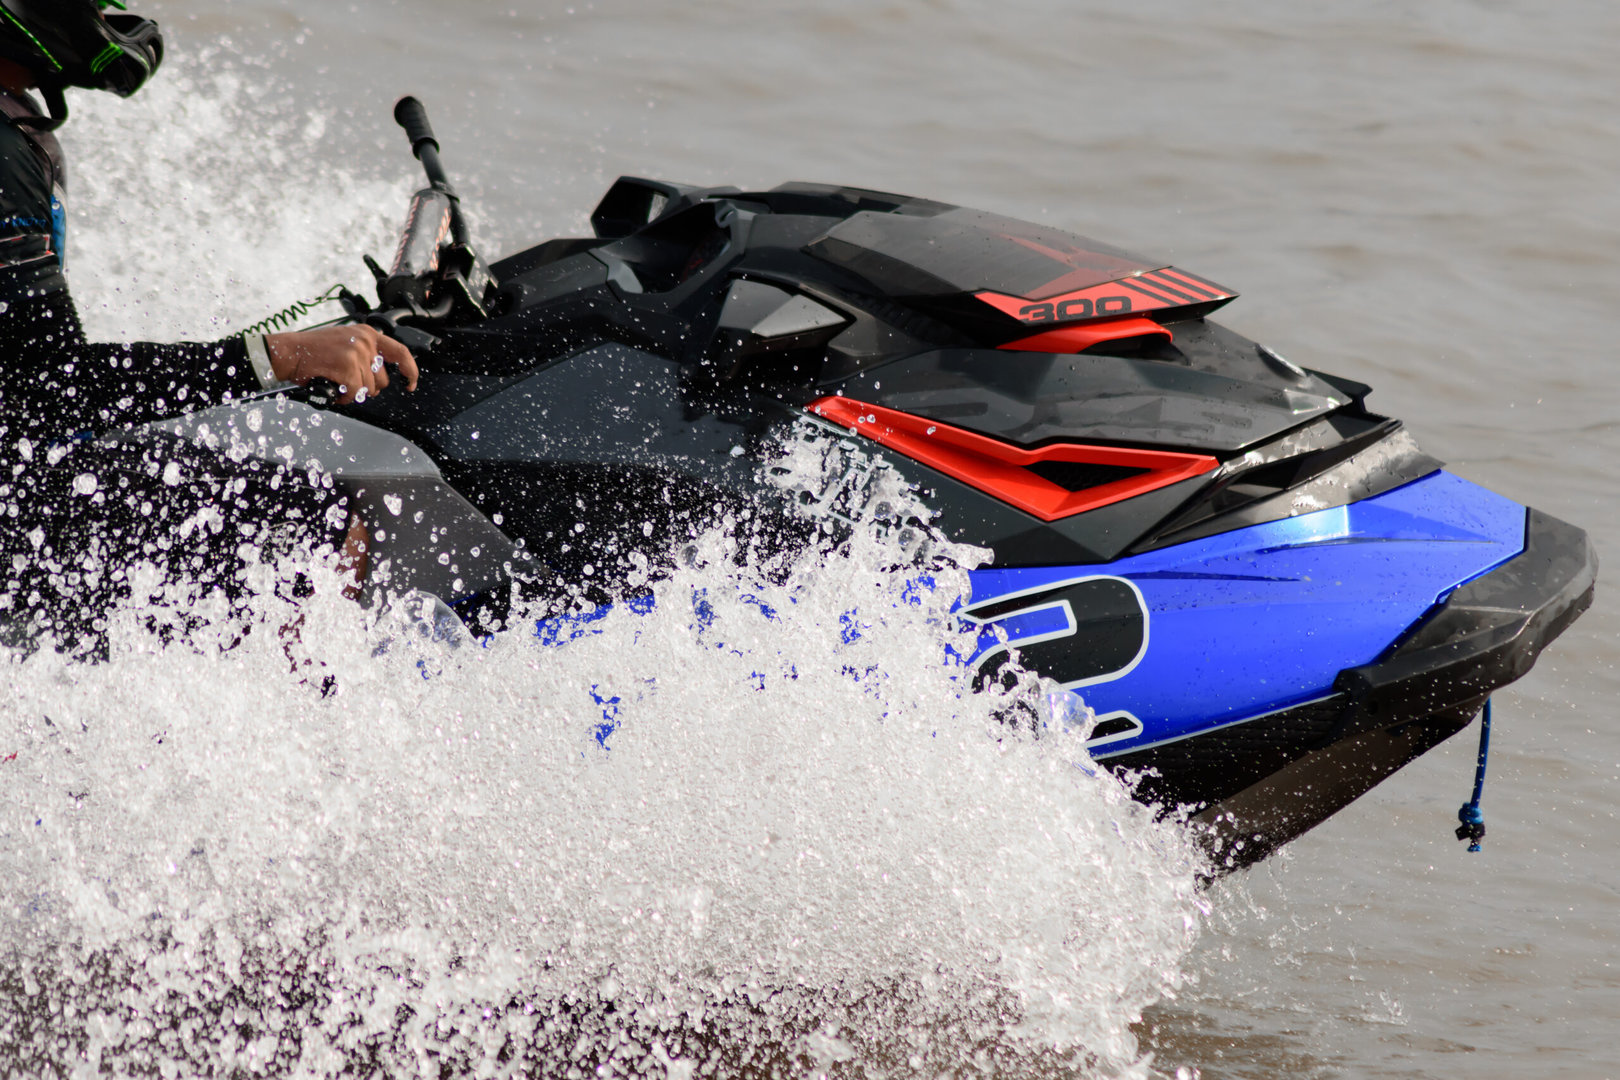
{"x": 1269, "y": 595}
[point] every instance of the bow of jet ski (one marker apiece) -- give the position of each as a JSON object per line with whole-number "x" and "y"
{"x": 1269, "y": 595}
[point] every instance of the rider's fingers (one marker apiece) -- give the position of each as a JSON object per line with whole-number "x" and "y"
{"x": 368, "y": 360}
{"x": 356, "y": 358}
{"x": 352, "y": 372}
{"x": 397, "y": 354}
{"x": 378, "y": 351}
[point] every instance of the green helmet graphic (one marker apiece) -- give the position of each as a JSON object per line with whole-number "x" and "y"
{"x": 74, "y": 43}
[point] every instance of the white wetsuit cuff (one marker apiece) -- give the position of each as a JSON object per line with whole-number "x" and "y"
{"x": 259, "y": 356}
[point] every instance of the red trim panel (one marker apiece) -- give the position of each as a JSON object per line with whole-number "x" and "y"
{"x": 1152, "y": 290}
{"x": 1002, "y": 470}
{"x": 1079, "y": 337}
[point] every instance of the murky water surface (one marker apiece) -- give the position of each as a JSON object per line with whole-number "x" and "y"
{"x": 207, "y": 863}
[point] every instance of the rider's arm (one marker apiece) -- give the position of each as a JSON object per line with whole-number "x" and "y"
{"x": 56, "y": 383}
{"x": 52, "y": 380}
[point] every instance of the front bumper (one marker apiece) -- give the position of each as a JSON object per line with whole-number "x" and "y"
{"x": 1254, "y": 786}
{"x": 1487, "y": 634}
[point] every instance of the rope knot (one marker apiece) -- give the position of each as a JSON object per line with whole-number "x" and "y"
{"x": 1472, "y": 828}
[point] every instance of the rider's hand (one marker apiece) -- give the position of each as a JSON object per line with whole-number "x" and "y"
{"x": 354, "y": 357}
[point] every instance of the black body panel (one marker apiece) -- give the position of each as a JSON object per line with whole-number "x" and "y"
{"x": 738, "y": 302}
{"x": 1036, "y": 398}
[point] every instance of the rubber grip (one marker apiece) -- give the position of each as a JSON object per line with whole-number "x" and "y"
{"x": 412, "y": 116}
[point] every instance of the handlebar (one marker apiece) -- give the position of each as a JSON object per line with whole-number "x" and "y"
{"x": 436, "y": 275}
{"x": 411, "y": 115}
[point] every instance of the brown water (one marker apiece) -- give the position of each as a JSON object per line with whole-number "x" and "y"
{"x": 1421, "y": 197}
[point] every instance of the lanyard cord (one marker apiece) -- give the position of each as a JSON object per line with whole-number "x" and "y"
{"x": 1472, "y": 828}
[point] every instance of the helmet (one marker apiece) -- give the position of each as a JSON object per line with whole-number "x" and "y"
{"x": 73, "y": 43}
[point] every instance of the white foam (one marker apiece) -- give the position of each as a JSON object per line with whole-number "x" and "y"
{"x": 207, "y": 202}
{"x": 674, "y": 811}
{"x": 686, "y": 842}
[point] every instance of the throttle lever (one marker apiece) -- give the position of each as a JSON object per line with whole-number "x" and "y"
{"x": 413, "y": 338}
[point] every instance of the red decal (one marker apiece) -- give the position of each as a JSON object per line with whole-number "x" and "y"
{"x": 1082, "y": 336}
{"x": 1002, "y": 470}
{"x": 1155, "y": 290}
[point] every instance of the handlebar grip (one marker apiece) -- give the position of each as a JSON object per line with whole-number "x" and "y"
{"x": 412, "y": 116}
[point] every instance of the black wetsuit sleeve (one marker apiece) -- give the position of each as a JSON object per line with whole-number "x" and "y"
{"x": 55, "y": 384}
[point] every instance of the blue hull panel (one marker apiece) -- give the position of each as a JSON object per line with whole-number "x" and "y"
{"x": 1248, "y": 622}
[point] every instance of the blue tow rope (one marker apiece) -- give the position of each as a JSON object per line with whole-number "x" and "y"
{"x": 1472, "y": 828}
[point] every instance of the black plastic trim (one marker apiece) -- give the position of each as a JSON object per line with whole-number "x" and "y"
{"x": 1485, "y": 635}
{"x": 1360, "y": 467}
{"x": 1299, "y": 766}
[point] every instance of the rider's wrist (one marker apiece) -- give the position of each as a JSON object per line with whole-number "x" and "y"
{"x": 258, "y": 350}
